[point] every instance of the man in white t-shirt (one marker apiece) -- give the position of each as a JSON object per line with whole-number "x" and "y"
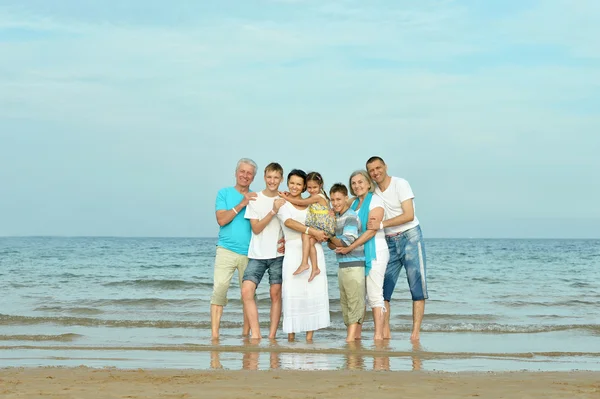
{"x": 404, "y": 239}
{"x": 263, "y": 252}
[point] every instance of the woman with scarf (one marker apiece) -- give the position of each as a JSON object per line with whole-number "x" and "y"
{"x": 370, "y": 207}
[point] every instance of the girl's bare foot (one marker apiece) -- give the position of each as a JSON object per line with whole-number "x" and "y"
{"x": 303, "y": 267}
{"x": 314, "y": 273}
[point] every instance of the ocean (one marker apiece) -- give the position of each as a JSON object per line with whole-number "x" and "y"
{"x": 495, "y": 305}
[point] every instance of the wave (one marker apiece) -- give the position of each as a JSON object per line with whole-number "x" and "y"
{"x": 145, "y": 302}
{"x": 7, "y": 320}
{"x": 550, "y": 303}
{"x": 59, "y": 338}
{"x": 158, "y": 284}
{"x": 81, "y": 311}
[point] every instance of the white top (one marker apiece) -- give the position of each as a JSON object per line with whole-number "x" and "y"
{"x": 263, "y": 245}
{"x": 380, "y": 242}
{"x": 398, "y": 191}
{"x": 289, "y": 211}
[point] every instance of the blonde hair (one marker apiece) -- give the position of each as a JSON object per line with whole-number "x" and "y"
{"x": 367, "y": 178}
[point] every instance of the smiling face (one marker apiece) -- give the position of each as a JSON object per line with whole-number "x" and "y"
{"x": 272, "y": 180}
{"x": 338, "y": 201}
{"x": 244, "y": 175}
{"x": 377, "y": 170}
{"x": 296, "y": 186}
{"x": 360, "y": 185}
{"x": 313, "y": 187}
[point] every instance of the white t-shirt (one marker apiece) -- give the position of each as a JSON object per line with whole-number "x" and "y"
{"x": 380, "y": 242}
{"x": 398, "y": 191}
{"x": 264, "y": 245}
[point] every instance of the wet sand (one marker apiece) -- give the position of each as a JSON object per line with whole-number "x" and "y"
{"x": 84, "y": 382}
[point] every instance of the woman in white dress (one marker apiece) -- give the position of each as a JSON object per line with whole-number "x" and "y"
{"x": 305, "y": 305}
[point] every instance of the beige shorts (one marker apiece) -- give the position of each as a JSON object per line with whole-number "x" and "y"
{"x": 226, "y": 263}
{"x": 352, "y": 294}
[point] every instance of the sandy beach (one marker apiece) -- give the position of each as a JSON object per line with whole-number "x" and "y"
{"x": 83, "y": 382}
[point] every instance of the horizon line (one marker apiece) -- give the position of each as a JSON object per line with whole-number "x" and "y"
{"x": 215, "y": 237}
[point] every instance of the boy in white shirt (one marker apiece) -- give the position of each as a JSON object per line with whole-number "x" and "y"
{"x": 405, "y": 242}
{"x": 263, "y": 252}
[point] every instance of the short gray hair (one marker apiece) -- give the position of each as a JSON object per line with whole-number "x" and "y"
{"x": 246, "y": 161}
{"x": 367, "y": 178}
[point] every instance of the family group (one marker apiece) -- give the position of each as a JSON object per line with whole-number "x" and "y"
{"x": 370, "y": 224}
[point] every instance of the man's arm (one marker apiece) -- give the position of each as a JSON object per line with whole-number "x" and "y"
{"x": 225, "y": 216}
{"x": 408, "y": 215}
{"x": 259, "y": 225}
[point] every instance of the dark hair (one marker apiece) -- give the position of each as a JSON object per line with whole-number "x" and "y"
{"x": 300, "y": 173}
{"x": 339, "y": 188}
{"x": 274, "y": 167}
{"x": 373, "y": 159}
{"x": 316, "y": 176}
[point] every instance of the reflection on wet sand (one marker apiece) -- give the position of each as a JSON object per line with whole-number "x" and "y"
{"x": 417, "y": 363}
{"x": 356, "y": 356}
{"x": 381, "y": 362}
{"x": 215, "y": 360}
{"x": 251, "y": 359}
{"x": 354, "y": 361}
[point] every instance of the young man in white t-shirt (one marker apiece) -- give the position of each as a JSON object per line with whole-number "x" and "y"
{"x": 404, "y": 239}
{"x": 263, "y": 253}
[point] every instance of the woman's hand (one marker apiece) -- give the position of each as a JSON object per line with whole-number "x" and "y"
{"x": 342, "y": 250}
{"x": 278, "y": 203}
{"x": 281, "y": 246}
{"x": 319, "y": 235}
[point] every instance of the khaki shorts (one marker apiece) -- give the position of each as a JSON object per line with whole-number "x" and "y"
{"x": 226, "y": 263}
{"x": 352, "y": 294}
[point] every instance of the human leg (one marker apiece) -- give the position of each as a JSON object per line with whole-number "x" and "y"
{"x": 416, "y": 275}
{"x": 275, "y": 315}
{"x": 374, "y": 283}
{"x": 250, "y": 308}
{"x": 225, "y": 265}
{"x": 392, "y": 272}
{"x": 252, "y": 276}
{"x": 309, "y": 336}
{"x": 241, "y": 268}
{"x": 352, "y": 283}
{"x": 275, "y": 282}
{"x": 305, "y": 254}
{"x": 313, "y": 260}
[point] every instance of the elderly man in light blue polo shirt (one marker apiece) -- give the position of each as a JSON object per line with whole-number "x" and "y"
{"x": 234, "y": 238}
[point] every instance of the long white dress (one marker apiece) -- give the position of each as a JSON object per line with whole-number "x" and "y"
{"x": 305, "y": 305}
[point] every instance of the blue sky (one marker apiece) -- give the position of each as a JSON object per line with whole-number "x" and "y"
{"x": 125, "y": 119}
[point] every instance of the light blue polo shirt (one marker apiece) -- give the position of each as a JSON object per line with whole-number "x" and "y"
{"x": 235, "y": 235}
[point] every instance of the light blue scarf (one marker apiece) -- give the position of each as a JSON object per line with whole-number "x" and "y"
{"x": 363, "y": 215}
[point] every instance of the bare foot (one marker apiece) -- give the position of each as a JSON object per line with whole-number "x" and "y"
{"x": 255, "y": 337}
{"x": 291, "y": 337}
{"x": 315, "y": 272}
{"x": 415, "y": 336}
{"x": 303, "y": 267}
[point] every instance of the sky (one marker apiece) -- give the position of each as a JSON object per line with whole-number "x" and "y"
{"x": 125, "y": 118}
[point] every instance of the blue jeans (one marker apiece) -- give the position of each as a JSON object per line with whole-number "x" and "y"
{"x": 406, "y": 249}
{"x": 257, "y": 267}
